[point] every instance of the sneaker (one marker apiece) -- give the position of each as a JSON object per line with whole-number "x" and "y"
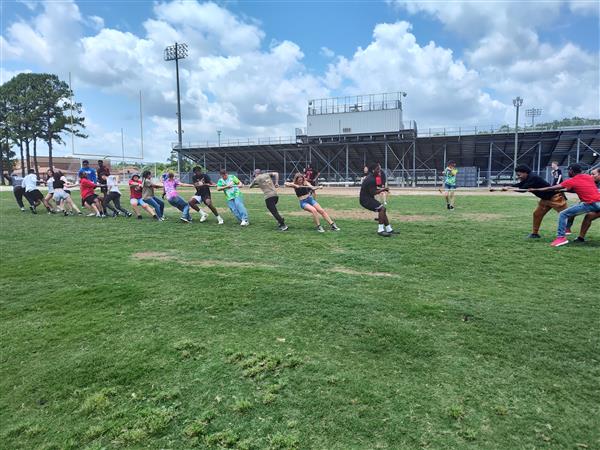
{"x": 568, "y": 232}
{"x": 320, "y": 229}
{"x": 283, "y": 227}
{"x": 559, "y": 241}
{"x": 115, "y": 214}
{"x": 103, "y": 216}
{"x": 579, "y": 240}
{"x": 162, "y": 219}
{"x": 533, "y": 236}
{"x": 80, "y": 213}
{"x": 65, "y": 213}
{"x": 447, "y": 205}
{"x": 139, "y": 217}
{"x": 23, "y": 209}
{"x": 128, "y": 214}
{"x": 91, "y": 214}
{"x": 98, "y": 215}
{"x": 384, "y": 234}
{"x": 220, "y": 220}
{"x": 334, "y": 227}
{"x": 244, "y": 223}
{"x": 450, "y": 207}
{"x": 33, "y": 211}
{"x": 155, "y": 217}
{"x": 184, "y": 219}
{"x": 203, "y": 217}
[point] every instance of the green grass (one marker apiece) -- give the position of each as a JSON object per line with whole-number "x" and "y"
{"x": 478, "y": 339}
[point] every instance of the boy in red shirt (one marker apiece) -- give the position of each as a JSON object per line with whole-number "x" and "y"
{"x": 88, "y": 198}
{"x": 587, "y": 191}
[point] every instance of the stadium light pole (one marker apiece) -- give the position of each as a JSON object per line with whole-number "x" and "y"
{"x": 533, "y": 113}
{"x": 175, "y": 53}
{"x": 517, "y": 102}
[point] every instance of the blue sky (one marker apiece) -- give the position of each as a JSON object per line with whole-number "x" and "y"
{"x": 254, "y": 64}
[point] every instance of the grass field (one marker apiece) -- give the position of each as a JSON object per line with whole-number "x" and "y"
{"x": 456, "y": 333}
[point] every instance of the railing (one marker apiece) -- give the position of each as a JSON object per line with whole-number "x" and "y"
{"x": 497, "y": 129}
{"x": 240, "y": 142}
{"x": 409, "y": 125}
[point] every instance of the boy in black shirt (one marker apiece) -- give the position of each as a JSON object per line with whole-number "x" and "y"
{"x": 202, "y": 184}
{"x": 548, "y": 200}
{"x": 368, "y": 191}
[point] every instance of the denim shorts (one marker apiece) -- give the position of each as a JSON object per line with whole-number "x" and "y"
{"x": 307, "y": 201}
{"x": 449, "y": 187}
{"x": 137, "y": 201}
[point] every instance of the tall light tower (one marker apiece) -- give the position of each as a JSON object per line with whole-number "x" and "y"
{"x": 219, "y": 137}
{"x": 175, "y": 53}
{"x": 533, "y": 113}
{"x": 517, "y": 102}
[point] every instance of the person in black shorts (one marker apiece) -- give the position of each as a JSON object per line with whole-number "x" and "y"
{"x": 368, "y": 191}
{"x": 202, "y": 183}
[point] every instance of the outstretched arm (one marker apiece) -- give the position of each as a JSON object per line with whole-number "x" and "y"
{"x": 556, "y": 187}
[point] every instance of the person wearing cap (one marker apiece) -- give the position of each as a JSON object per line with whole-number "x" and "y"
{"x": 265, "y": 183}
{"x": 135, "y": 194}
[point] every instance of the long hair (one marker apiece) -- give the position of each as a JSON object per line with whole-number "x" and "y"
{"x": 298, "y": 176}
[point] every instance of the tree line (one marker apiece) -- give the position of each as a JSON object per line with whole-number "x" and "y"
{"x": 35, "y": 107}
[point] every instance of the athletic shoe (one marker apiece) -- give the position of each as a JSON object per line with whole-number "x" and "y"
{"x": 203, "y": 217}
{"x": 139, "y": 217}
{"x": 65, "y": 213}
{"x": 451, "y": 207}
{"x": 115, "y": 214}
{"x": 283, "y": 227}
{"x": 568, "y": 232}
{"x": 184, "y": 219}
{"x": 98, "y": 215}
{"x": 220, "y": 220}
{"x": 320, "y": 229}
{"x": 23, "y": 209}
{"x": 128, "y": 214}
{"x": 244, "y": 223}
{"x": 533, "y": 236}
{"x": 579, "y": 240}
{"x": 80, "y": 213}
{"x": 559, "y": 241}
{"x": 103, "y": 216}
{"x": 384, "y": 234}
{"x": 162, "y": 219}
{"x": 447, "y": 205}
{"x": 91, "y": 214}
{"x": 334, "y": 227}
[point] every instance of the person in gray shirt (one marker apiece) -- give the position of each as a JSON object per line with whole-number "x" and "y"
{"x": 16, "y": 182}
{"x": 265, "y": 183}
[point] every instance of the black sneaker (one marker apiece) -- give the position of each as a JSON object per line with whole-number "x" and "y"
{"x": 129, "y": 214}
{"x": 533, "y": 236}
{"x": 139, "y": 217}
{"x": 334, "y": 227}
{"x": 384, "y": 233}
{"x": 448, "y": 206}
{"x": 115, "y": 214}
{"x": 33, "y": 211}
{"x": 283, "y": 227}
{"x": 65, "y": 213}
{"x": 579, "y": 240}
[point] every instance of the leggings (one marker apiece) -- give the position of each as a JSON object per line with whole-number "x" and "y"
{"x": 19, "y": 193}
{"x": 271, "y": 203}
{"x": 114, "y": 197}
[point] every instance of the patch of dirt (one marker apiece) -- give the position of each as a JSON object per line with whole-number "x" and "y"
{"x": 364, "y": 214}
{"x": 339, "y": 269}
{"x": 483, "y": 217}
{"x": 161, "y": 256}
{"x": 164, "y": 256}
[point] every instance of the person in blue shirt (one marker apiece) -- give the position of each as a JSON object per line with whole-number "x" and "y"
{"x": 89, "y": 171}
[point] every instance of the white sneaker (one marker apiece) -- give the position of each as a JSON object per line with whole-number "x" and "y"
{"x": 92, "y": 214}
{"x": 203, "y": 217}
{"x": 244, "y": 223}
{"x": 220, "y": 220}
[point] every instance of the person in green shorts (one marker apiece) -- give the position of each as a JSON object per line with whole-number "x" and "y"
{"x": 449, "y": 174}
{"x": 230, "y": 185}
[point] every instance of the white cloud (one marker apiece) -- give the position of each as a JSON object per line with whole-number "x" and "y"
{"x": 327, "y": 52}
{"x": 585, "y": 7}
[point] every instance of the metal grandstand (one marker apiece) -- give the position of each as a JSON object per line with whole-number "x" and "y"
{"x": 410, "y": 156}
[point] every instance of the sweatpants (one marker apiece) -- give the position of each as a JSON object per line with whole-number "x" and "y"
{"x": 271, "y": 203}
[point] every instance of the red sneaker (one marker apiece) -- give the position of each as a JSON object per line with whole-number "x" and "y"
{"x": 559, "y": 241}
{"x": 568, "y": 232}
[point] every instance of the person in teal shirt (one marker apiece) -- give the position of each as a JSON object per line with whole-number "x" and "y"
{"x": 230, "y": 185}
{"x": 450, "y": 183}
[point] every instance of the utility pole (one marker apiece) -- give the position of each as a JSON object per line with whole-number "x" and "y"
{"x": 517, "y": 102}
{"x": 175, "y": 53}
{"x": 218, "y": 138}
{"x": 533, "y": 113}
